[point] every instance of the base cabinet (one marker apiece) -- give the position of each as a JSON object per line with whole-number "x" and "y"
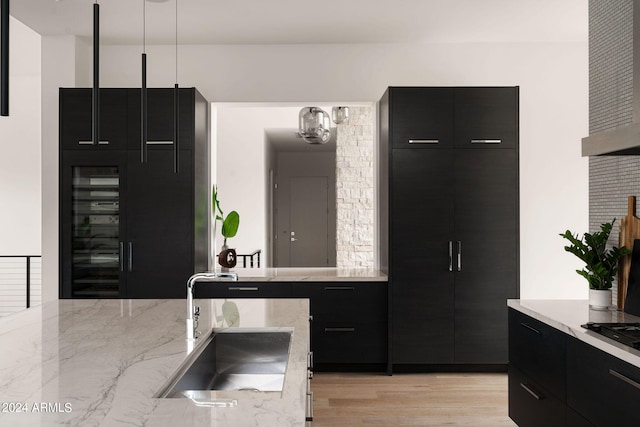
{"x": 558, "y": 380}
{"x": 348, "y": 319}
{"x": 603, "y": 389}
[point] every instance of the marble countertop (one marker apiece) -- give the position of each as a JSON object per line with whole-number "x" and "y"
{"x": 99, "y": 362}
{"x": 309, "y": 274}
{"x": 568, "y": 315}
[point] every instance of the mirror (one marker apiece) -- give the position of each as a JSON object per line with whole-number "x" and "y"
{"x": 284, "y": 187}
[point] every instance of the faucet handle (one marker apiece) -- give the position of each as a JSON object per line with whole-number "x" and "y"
{"x": 196, "y": 310}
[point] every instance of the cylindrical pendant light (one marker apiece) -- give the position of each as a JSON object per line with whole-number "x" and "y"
{"x": 176, "y": 150}
{"x": 95, "y": 118}
{"x": 4, "y": 58}
{"x": 143, "y": 91}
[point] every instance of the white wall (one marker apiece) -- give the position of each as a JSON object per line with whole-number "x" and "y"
{"x": 20, "y": 207}
{"x": 553, "y": 84}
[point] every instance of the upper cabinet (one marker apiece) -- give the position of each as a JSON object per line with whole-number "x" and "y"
{"x": 76, "y": 128}
{"x": 422, "y": 117}
{"x": 486, "y": 117}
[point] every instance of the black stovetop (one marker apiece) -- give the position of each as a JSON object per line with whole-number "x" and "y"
{"x": 625, "y": 333}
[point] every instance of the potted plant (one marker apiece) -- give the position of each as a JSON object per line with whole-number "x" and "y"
{"x": 230, "y": 224}
{"x": 601, "y": 264}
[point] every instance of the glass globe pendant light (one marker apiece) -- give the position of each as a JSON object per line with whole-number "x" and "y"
{"x": 314, "y": 125}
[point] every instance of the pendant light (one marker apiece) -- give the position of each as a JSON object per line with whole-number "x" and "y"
{"x": 4, "y": 58}
{"x": 314, "y": 125}
{"x": 143, "y": 90}
{"x": 95, "y": 118}
{"x": 176, "y": 111}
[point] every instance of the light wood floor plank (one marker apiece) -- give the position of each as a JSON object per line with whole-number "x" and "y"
{"x": 434, "y": 399}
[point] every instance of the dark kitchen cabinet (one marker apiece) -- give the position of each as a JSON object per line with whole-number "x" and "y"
{"x": 449, "y": 204}
{"x": 537, "y": 372}
{"x": 603, "y": 389}
{"x": 130, "y": 229}
{"x": 349, "y": 325}
{"x": 76, "y": 128}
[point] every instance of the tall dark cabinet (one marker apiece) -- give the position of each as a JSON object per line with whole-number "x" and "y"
{"x": 130, "y": 229}
{"x": 449, "y": 222}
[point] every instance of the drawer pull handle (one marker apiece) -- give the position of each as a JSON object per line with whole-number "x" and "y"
{"x": 530, "y": 391}
{"x": 91, "y": 142}
{"x": 159, "y": 142}
{"x": 339, "y": 288}
{"x": 486, "y": 141}
{"x": 624, "y": 378}
{"x": 242, "y": 288}
{"x": 531, "y": 328}
{"x": 424, "y": 141}
{"x": 339, "y": 329}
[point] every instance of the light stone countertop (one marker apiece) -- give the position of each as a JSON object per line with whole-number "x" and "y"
{"x": 99, "y": 362}
{"x": 309, "y": 274}
{"x": 568, "y": 315}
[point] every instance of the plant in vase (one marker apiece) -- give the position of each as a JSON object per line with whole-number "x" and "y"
{"x": 601, "y": 264}
{"x": 230, "y": 224}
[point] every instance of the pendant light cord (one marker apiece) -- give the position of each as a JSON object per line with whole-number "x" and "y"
{"x": 143, "y": 89}
{"x": 176, "y": 112}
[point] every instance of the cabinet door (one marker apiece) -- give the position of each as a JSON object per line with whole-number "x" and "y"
{"x": 486, "y": 117}
{"x": 486, "y": 229}
{"x": 421, "y": 222}
{"x": 421, "y": 117}
{"x": 76, "y": 118}
{"x": 603, "y": 389}
{"x": 160, "y": 118}
{"x": 92, "y": 224}
{"x": 160, "y": 224}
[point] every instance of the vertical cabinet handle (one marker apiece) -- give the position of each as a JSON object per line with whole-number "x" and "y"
{"x": 130, "y": 263}
{"x": 450, "y": 255}
{"x": 459, "y": 255}
{"x": 121, "y": 256}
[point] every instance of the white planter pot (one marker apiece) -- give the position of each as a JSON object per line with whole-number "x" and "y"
{"x": 599, "y": 299}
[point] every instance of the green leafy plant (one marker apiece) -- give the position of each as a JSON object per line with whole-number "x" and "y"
{"x": 230, "y": 223}
{"x": 601, "y": 264}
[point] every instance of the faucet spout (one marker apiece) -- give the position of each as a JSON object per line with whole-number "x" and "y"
{"x": 194, "y": 312}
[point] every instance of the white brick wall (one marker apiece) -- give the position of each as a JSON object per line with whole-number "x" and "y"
{"x": 354, "y": 190}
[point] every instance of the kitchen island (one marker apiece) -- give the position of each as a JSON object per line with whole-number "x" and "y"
{"x": 561, "y": 374}
{"x": 100, "y": 362}
{"x": 310, "y": 274}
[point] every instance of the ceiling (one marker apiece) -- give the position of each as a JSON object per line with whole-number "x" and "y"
{"x": 309, "y": 22}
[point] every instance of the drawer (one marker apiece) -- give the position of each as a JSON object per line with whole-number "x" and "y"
{"x": 539, "y": 351}
{"x": 603, "y": 389}
{"x": 358, "y": 300}
{"x": 349, "y": 341}
{"x": 243, "y": 290}
{"x": 531, "y": 405}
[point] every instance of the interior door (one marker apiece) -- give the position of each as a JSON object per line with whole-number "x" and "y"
{"x": 309, "y": 221}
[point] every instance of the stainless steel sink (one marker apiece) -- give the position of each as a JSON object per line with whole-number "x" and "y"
{"x": 232, "y": 360}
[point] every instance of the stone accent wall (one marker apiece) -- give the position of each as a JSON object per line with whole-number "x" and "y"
{"x": 355, "y": 190}
{"x": 611, "y": 178}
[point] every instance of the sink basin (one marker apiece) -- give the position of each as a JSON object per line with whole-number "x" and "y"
{"x": 232, "y": 360}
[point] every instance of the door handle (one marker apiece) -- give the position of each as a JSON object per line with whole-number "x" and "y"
{"x": 130, "y": 263}
{"x": 450, "y": 255}
{"x": 459, "y": 255}
{"x": 121, "y": 256}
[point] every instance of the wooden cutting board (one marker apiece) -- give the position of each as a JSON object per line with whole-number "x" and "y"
{"x": 629, "y": 231}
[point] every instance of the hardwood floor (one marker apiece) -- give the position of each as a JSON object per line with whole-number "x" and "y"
{"x": 435, "y": 399}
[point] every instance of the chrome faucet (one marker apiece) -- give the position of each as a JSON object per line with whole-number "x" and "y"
{"x": 194, "y": 312}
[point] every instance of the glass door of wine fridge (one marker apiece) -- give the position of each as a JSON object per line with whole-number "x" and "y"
{"x": 96, "y": 241}
{"x": 92, "y": 225}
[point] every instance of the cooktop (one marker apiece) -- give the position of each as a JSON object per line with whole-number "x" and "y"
{"x": 625, "y": 333}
